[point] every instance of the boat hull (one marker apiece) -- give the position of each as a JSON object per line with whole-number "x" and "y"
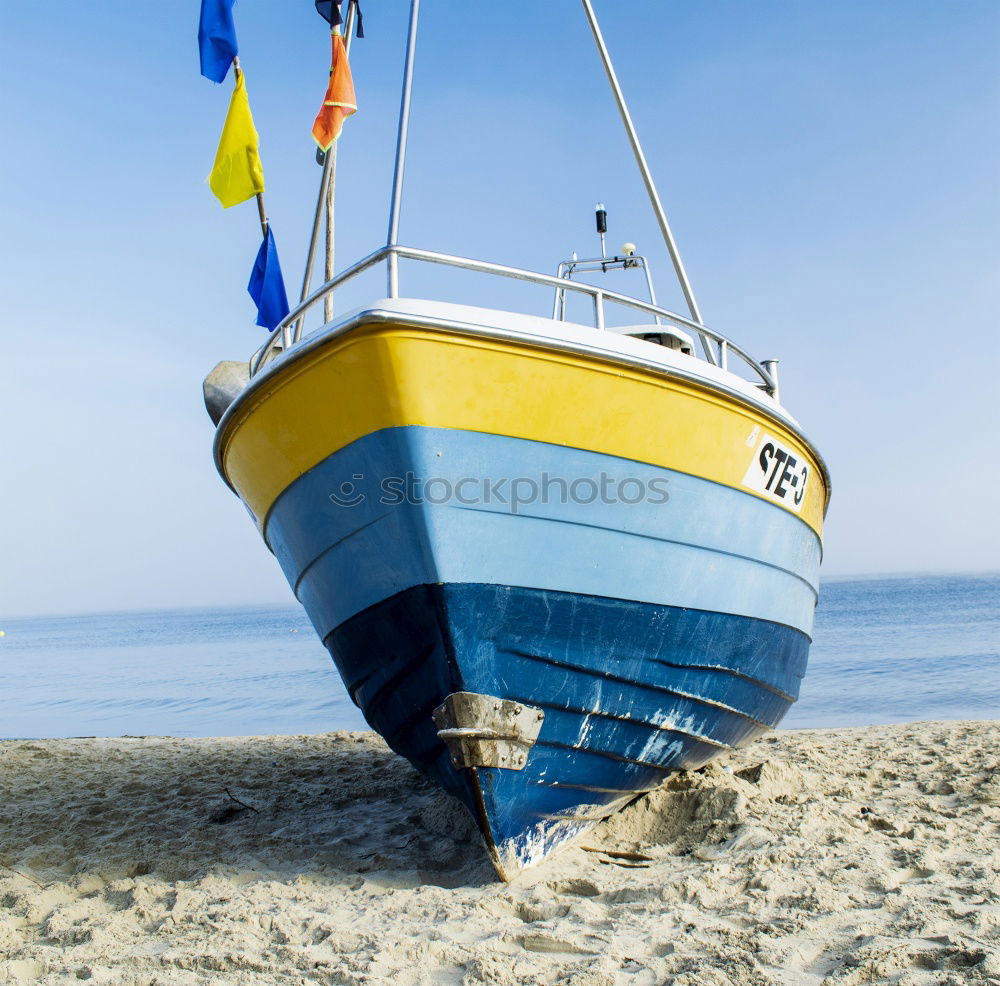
{"x": 630, "y": 691}
{"x": 513, "y": 521}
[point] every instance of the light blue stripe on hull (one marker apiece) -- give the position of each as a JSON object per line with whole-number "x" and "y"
{"x": 708, "y": 547}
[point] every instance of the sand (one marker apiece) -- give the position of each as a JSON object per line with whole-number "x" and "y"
{"x": 842, "y": 856}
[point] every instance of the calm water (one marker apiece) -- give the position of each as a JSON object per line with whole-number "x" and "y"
{"x": 886, "y": 650}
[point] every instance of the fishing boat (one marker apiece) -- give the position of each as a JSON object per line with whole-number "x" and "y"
{"x": 552, "y": 561}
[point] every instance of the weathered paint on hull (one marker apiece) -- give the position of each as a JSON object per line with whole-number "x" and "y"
{"x": 701, "y": 648}
{"x": 630, "y": 691}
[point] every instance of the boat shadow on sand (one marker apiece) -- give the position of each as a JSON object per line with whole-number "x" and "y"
{"x": 331, "y": 807}
{"x": 338, "y": 808}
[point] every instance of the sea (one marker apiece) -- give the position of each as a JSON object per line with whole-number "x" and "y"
{"x": 885, "y": 650}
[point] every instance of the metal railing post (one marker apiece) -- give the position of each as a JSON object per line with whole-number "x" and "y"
{"x": 599, "y": 310}
{"x": 771, "y": 366}
{"x": 555, "y": 301}
{"x": 401, "y": 138}
{"x": 649, "y": 285}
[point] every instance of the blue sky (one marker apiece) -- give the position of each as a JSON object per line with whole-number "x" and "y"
{"x": 830, "y": 172}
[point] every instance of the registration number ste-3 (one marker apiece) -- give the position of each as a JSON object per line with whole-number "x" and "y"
{"x": 777, "y": 473}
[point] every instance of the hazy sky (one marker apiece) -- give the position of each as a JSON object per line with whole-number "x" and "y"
{"x": 830, "y": 170}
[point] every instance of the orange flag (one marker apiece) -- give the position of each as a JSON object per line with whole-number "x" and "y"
{"x": 339, "y": 102}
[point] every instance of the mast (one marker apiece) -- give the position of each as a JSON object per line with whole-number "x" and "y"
{"x": 326, "y": 192}
{"x": 325, "y": 201}
{"x": 640, "y": 158}
{"x": 392, "y": 238}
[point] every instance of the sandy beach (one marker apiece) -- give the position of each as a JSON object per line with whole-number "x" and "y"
{"x": 841, "y": 856}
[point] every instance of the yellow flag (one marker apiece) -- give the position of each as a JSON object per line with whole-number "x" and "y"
{"x": 237, "y": 174}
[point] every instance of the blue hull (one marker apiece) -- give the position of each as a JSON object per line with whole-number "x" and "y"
{"x": 653, "y": 634}
{"x": 630, "y": 692}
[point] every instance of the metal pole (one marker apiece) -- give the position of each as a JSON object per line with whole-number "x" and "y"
{"x": 404, "y": 125}
{"x": 599, "y": 310}
{"x": 331, "y": 194}
{"x": 771, "y": 365}
{"x": 640, "y": 158}
{"x": 321, "y": 198}
{"x": 331, "y": 186}
{"x": 314, "y": 238}
{"x": 649, "y": 284}
{"x": 555, "y": 301}
{"x": 262, "y": 214}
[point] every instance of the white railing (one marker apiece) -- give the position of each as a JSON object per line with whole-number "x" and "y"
{"x": 717, "y": 348}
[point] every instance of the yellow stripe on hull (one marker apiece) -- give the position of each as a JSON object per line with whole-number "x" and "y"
{"x": 390, "y": 376}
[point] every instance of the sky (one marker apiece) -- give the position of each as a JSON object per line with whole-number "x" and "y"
{"x": 830, "y": 172}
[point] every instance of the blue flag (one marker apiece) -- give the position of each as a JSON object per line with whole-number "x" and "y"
{"x": 267, "y": 286}
{"x": 216, "y": 38}
{"x": 329, "y": 10}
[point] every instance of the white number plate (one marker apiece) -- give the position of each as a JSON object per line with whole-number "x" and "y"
{"x": 777, "y": 473}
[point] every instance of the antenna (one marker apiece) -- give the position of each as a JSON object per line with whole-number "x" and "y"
{"x": 626, "y": 260}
